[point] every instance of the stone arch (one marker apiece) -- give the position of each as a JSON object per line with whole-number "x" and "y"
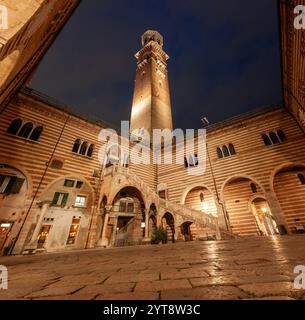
{"x": 281, "y": 167}
{"x": 189, "y": 188}
{"x": 126, "y": 223}
{"x": 228, "y": 180}
{"x": 265, "y": 220}
{"x": 168, "y": 224}
{"x": 66, "y": 176}
{"x": 121, "y": 181}
{"x": 236, "y": 195}
{"x": 188, "y": 231}
{"x": 14, "y": 192}
{"x": 200, "y": 198}
{"x": 289, "y": 188}
{"x": 24, "y": 171}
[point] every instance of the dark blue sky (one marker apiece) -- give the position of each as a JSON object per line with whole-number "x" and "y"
{"x": 225, "y": 57}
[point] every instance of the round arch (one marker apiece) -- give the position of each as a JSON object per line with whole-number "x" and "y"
{"x": 279, "y": 168}
{"x": 190, "y": 188}
{"x": 235, "y": 177}
{"x": 71, "y": 176}
{"x": 24, "y": 171}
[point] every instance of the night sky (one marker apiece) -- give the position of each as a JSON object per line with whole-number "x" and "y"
{"x": 225, "y": 57}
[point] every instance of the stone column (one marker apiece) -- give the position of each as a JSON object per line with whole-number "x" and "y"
{"x": 147, "y": 236}
{"x": 277, "y": 212}
{"x": 223, "y": 217}
{"x": 103, "y": 242}
{"x": 113, "y": 234}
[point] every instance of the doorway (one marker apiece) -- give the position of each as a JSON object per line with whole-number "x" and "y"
{"x": 5, "y": 228}
{"x": 265, "y": 221}
{"x": 43, "y": 236}
{"x": 186, "y": 231}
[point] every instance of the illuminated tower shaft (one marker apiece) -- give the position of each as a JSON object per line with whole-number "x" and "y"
{"x": 151, "y": 107}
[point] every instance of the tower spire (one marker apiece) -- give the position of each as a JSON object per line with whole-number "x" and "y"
{"x": 151, "y": 106}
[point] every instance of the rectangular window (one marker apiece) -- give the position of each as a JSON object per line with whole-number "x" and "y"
{"x": 162, "y": 194}
{"x": 10, "y": 185}
{"x": 69, "y": 183}
{"x": 80, "y": 201}
{"x": 73, "y": 231}
{"x": 130, "y": 207}
{"x": 79, "y": 184}
{"x": 60, "y": 199}
{"x": 122, "y": 206}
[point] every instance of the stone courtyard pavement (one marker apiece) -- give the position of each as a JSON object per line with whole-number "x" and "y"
{"x": 256, "y": 268}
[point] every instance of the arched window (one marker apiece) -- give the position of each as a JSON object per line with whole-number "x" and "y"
{"x": 219, "y": 153}
{"x": 253, "y": 187}
{"x": 83, "y": 148}
{"x": 274, "y": 138}
{"x": 201, "y": 197}
{"x": 26, "y": 130}
{"x": 76, "y": 145}
{"x": 225, "y": 151}
{"x": 90, "y": 150}
{"x": 36, "y": 133}
{"x": 186, "y": 164}
{"x": 14, "y": 126}
{"x": 301, "y": 178}
{"x": 282, "y": 136}
{"x": 232, "y": 149}
{"x": 193, "y": 160}
{"x": 266, "y": 140}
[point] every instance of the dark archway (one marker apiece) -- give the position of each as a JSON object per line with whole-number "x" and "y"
{"x": 127, "y": 222}
{"x": 168, "y": 223}
{"x": 289, "y": 187}
{"x": 187, "y": 231}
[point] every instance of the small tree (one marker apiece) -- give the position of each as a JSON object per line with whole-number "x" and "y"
{"x": 159, "y": 235}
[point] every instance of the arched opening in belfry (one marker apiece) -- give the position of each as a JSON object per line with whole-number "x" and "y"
{"x": 289, "y": 187}
{"x": 168, "y": 224}
{"x": 265, "y": 221}
{"x": 126, "y": 224}
{"x": 238, "y": 193}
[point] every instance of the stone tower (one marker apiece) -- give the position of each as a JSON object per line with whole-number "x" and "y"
{"x": 151, "y": 107}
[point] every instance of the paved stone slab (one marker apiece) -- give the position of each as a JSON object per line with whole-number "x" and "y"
{"x": 252, "y": 268}
{"x": 208, "y": 293}
{"x": 163, "y": 285}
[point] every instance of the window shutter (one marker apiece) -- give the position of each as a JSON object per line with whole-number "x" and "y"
{"x": 56, "y": 197}
{"x": 18, "y": 183}
{"x": 64, "y": 199}
{"x": 10, "y": 185}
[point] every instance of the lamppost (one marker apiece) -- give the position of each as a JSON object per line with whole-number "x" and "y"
{"x": 206, "y": 123}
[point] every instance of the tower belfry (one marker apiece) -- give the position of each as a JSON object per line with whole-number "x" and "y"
{"x": 151, "y": 106}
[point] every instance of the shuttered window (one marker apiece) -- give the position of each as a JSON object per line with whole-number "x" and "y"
{"x": 10, "y": 184}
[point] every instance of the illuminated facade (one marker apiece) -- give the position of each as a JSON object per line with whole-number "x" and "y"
{"x": 56, "y": 195}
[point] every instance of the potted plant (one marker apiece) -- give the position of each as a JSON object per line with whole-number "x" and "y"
{"x": 159, "y": 236}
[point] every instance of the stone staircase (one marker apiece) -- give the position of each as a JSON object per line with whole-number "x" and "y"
{"x": 182, "y": 213}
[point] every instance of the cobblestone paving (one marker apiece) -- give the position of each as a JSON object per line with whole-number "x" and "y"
{"x": 257, "y": 268}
